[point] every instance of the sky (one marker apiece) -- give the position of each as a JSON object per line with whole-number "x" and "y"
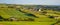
{"x": 30, "y": 2}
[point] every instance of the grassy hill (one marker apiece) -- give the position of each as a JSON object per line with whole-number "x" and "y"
{"x": 21, "y": 12}
{"x": 11, "y": 12}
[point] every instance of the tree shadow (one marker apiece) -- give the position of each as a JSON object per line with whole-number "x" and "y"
{"x": 28, "y": 14}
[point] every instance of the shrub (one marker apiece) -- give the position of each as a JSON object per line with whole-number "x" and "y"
{"x": 13, "y": 19}
{"x": 31, "y": 19}
{"x": 6, "y": 19}
{"x": 1, "y": 18}
{"x": 51, "y": 16}
{"x": 44, "y": 12}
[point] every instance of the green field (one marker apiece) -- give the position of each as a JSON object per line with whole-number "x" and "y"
{"x": 38, "y": 16}
{"x": 9, "y": 12}
{"x": 12, "y": 12}
{"x": 26, "y": 23}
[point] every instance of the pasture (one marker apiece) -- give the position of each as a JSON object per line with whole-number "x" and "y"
{"x": 27, "y": 16}
{"x": 26, "y": 23}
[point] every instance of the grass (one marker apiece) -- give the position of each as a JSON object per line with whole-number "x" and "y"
{"x": 12, "y": 12}
{"x": 26, "y": 23}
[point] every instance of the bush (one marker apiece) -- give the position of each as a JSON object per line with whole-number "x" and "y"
{"x": 1, "y": 18}
{"x": 51, "y": 16}
{"x": 6, "y": 19}
{"x": 12, "y": 19}
{"x": 44, "y": 12}
{"x": 31, "y": 19}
